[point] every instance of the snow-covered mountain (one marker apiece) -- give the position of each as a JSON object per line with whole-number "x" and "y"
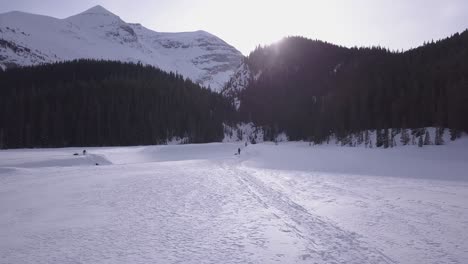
{"x": 28, "y": 39}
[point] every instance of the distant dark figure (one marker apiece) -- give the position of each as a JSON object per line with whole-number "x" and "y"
{"x": 246, "y": 143}
{"x": 238, "y": 151}
{"x": 97, "y": 164}
{"x": 84, "y": 152}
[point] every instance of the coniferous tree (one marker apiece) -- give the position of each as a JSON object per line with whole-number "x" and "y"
{"x": 360, "y": 138}
{"x": 404, "y": 137}
{"x": 1, "y": 139}
{"x": 393, "y": 133}
{"x": 439, "y": 136}
{"x": 427, "y": 138}
{"x": 101, "y": 103}
{"x": 454, "y": 134}
{"x": 378, "y": 139}
{"x": 386, "y": 138}
{"x": 366, "y": 138}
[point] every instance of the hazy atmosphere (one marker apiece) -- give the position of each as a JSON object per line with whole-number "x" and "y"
{"x": 232, "y": 132}
{"x": 396, "y": 24}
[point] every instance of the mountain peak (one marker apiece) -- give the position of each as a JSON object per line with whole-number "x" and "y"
{"x": 99, "y": 34}
{"x": 95, "y": 16}
{"x": 99, "y": 10}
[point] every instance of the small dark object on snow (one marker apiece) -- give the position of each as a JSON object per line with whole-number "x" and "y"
{"x": 246, "y": 143}
{"x": 84, "y": 152}
{"x": 238, "y": 151}
{"x": 97, "y": 164}
{"x": 76, "y": 154}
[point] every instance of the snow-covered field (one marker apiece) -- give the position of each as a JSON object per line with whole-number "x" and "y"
{"x": 289, "y": 203}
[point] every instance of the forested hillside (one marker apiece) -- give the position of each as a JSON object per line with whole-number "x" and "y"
{"x": 102, "y": 103}
{"x": 308, "y": 89}
{"x": 312, "y": 89}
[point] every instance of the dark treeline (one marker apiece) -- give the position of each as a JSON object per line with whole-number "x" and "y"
{"x": 101, "y": 103}
{"x": 310, "y": 89}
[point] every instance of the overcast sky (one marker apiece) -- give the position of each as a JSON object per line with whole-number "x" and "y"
{"x": 396, "y": 24}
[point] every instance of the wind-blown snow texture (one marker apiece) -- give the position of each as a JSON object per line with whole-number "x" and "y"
{"x": 28, "y": 39}
{"x": 286, "y": 203}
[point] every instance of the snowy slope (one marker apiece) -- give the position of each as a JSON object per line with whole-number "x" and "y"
{"x": 28, "y": 39}
{"x": 202, "y": 204}
{"x": 237, "y": 83}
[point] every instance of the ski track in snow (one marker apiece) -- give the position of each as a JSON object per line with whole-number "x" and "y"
{"x": 201, "y": 204}
{"x": 324, "y": 241}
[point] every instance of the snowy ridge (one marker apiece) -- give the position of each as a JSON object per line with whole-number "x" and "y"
{"x": 28, "y": 39}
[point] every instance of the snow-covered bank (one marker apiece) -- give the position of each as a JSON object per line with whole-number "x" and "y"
{"x": 286, "y": 203}
{"x": 449, "y": 162}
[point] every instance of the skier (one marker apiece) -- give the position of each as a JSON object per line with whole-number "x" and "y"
{"x": 238, "y": 151}
{"x": 84, "y": 152}
{"x": 246, "y": 143}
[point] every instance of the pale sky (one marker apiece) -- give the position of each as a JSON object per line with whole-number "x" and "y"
{"x": 396, "y": 24}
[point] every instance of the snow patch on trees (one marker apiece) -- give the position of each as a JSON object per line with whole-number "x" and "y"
{"x": 258, "y": 75}
{"x": 247, "y": 132}
{"x": 337, "y": 68}
{"x": 238, "y": 82}
{"x": 282, "y": 137}
{"x": 178, "y": 141}
{"x": 394, "y": 137}
{"x": 375, "y": 138}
